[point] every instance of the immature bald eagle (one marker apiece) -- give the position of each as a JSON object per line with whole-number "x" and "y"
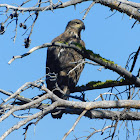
{"x": 63, "y": 62}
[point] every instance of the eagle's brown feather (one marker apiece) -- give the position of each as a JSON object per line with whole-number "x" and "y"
{"x": 62, "y": 60}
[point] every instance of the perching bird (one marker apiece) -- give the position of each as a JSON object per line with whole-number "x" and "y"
{"x": 66, "y": 63}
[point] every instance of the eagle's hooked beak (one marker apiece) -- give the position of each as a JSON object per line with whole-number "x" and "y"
{"x": 83, "y": 27}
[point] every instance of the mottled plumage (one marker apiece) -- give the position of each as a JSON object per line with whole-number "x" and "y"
{"x": 61, "y": 61}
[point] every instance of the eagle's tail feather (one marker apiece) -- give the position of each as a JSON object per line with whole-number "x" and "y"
{"x": 58, "y": 114}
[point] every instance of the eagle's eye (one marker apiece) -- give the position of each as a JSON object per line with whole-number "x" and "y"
{"x": 77, "y": 23}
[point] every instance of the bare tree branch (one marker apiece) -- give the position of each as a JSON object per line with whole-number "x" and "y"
{"x": 88, "y": 9}
{"x": 91, "y": 114}
{"x": 25, "y": 106}
{"x": 76, "y": 105}
{"x": 21, "y": 98}
{"x": 23, "y": 122}
{"x": 21, "y": 89}
{"x": 106, "y": 114}
{"x": 30, "y": 51}
{"x": 128, "y": 7}
{"x": 91, "y": 56}
{"x": 100, "y": 85}
{"x": 102, "y": 104}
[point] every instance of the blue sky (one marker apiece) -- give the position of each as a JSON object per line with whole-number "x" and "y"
{"x": 112, "y": 38}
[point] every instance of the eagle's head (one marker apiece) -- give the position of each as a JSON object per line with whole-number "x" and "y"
{"x": 75, "y": 25}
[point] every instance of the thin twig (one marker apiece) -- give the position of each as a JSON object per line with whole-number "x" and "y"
{"x": 115, "y": 127}
{"x": 26, "y": 129}
{"x": 74, "y": 125}
{"x": 17, "y": 92}
{"x": 88, "y": 9}
{"x": 135, "y": 59}
{"x": 134, "y": 24}
{"x": 100, "y": 130}
{"x": 17, "y": 116}
{"x": 106, "y": 94}
{"x": 81, "y": 62}
{"x": 30, "y": 51}
{"x": 16, "y": 108}
{"x": 111, "y": 15}
{"x": 16, "y": 29}
{"x": 32, "y": 26}
{"x": 25, "y": 2}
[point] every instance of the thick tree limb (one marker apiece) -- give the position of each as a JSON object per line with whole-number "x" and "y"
{"x": 78, "y": 106}
{"x": 128, "y": 7}
{"x": 83, "y": 105}
{"x": 102, "y": 114}
{"x": 105, "y": 114}
{"x": 100, "y": 85}
{"x": 91, "y": 56}
{"x": 101, "y": 104}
